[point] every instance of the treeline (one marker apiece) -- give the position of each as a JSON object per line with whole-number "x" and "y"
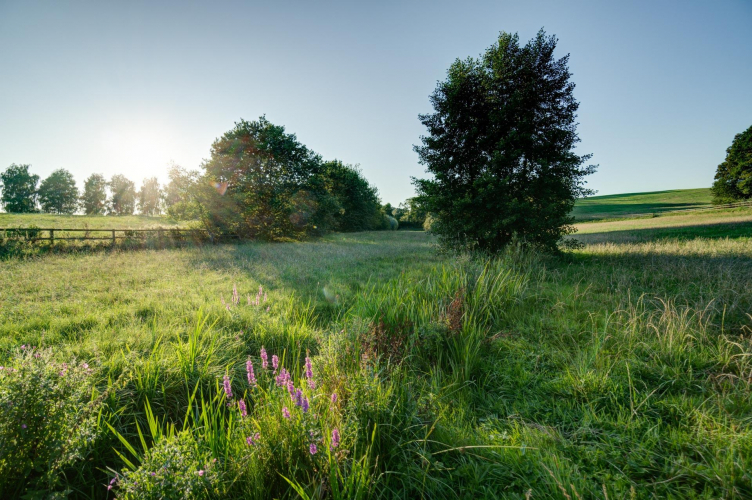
{"x": 260, "y": 182}
{"x": 57, "y": 194}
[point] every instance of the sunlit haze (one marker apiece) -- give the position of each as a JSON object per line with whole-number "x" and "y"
{"x": 127, "y": 87}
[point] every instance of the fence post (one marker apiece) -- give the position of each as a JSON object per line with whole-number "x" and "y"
{"x": 52, "y": 236}
{"x": 113, "y": 237}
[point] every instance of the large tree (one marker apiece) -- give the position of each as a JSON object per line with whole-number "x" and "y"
{"x": 262, "y": 183}
{"x": 58, "y": 193}
{"x": 179, "y": 195}
{"x": 500, "y": 146}
{"x": 150, "y": 197}
{"x": 358, "y": 201}
{"x": 94, "y": 197}
{"x": 123, "y": 195}
{"x": 19, "y": 189}
{"x": 733, "y": 179}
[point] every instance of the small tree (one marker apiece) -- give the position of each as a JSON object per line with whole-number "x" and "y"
{"x": 733, "y": 179}
{"x": 19, "y": 189}
{"x": 58, "y": 193}
{"x": 94, "y": 198}
{"x": 500, "y": 146}
{"x": 123, "y": 200}
{"x": 149, "y": 197}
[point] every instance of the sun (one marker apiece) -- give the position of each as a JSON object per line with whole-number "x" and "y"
{"x": 138, "y": 149}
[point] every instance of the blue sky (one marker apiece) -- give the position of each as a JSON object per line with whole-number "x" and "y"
{"x": 126, "y": 87}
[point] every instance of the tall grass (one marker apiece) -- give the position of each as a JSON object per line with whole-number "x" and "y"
{"x": 613, "y": 372}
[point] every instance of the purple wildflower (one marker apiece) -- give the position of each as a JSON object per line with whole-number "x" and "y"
{"x": 235, "y": 297}
{"x": 313, "y": 449}
{"x": 261, "y": 290}
{"x": 291, "y": 388}
{"x": 23, "y": 426}
{"x": 298, "y": 398}
{"x": 253, "y": 440}
{"x": 264, "y": 297}
{"x": 285, "y": 412}
{"x": 275, "y": 362}
{"x": 201, "y": 473}
{"x": 308, "y": 368}
{"x": 264, "y": 359}
{"x": 243, "y": 409}
{"x": 282, "y": 378}
{"x": 304, "y": 405}
{"x": 311, "y": 383}
{"x": 335, "y": 438}
{"x": 23, "y": 347}
{"x": 153, "y": 474}
{"x": 334, "y": 397}
{"x": 249, "y": 371}
{"x": 228, "y": 387}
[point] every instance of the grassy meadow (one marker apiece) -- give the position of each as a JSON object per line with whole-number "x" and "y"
{"x": 54, "y": 221}
{"x": 621, "y": 369}
{"x": 635, "y": 204}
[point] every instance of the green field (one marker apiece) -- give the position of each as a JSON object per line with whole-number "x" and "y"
{"x": 620, "y": 370}
{"x": 50, "y": 221}
{"x": 635, "y": 204}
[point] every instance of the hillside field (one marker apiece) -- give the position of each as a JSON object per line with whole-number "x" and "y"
{"x": 622, "y": 369}
{"x": 636, "y": 204}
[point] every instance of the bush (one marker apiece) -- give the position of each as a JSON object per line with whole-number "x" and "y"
{"x": 390, "y": 223}
{"x": 48, "y": 420}
{"x": 174, "y": 468}
{"x": 733, "y": 178}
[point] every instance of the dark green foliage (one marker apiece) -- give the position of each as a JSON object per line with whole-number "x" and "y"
{"x": 262, "y": 183}
{"x": 500, "y": 148}
{"x": 410, "y": 214}
{"x": 94, "y": 197}
{"x": 150, "y": 197}
{"x": 733, "y": 179}
{"x": 58, "y": 193}
{"x": 19, "y": 189}
{"x": 123, "y": 200}
{"x": 358, "y": 201}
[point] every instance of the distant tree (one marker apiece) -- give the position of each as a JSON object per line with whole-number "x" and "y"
{"x": 357, "y": 201}
{"x": 179, "y": 196}
{"x": 123, "y": 199}
{"x": 411, "y": 214}
{"x": 500, "y": 146}
{"x": 150, "y": 197}
{"x": 733, "y": 179}
{"x": 19, "y": 189}
{"x": 262, "y": 183}
{"x": 94, "y": 198}
{"x": 58, "y": 193}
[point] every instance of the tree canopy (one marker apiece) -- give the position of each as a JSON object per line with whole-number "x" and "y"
{"x": 150, "y": 197}
{"x": 58, "y": 193}
{"x": 500, "y": 147}
{"x": 358, "y": 202}
{"x": 262, "y": 183}
{"x": 123, "y": 195}
{"x": 19, "y": 189}
{"x": 733, "y": 178}
{"x": 94, "y": 198}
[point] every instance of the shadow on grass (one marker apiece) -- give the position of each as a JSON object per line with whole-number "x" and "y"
{"x": 712, "y": 231}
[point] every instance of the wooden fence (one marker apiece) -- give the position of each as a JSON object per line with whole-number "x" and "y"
{"x": 58, "y": 234}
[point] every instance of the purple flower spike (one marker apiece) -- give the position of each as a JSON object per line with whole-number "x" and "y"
{"x": 311, "y": 383}
{"x": 228, "y": 387}
{"x": 304, "y": 405}
{"x": 308, "y": 368}
{"x": 249, "y": 371}
{"x": 291, "y": 388}
{"x": 275, "y": 362}
{"x": 253, "y": 440}
{"x": 335, "y": 438}
{"x": 298, "y": 398}
{"x": 264, "y": 359}
{"x": 334, "y": 397}
{"x": 235, "y": 296}
{"x": 243, "y": 408}
{"x": 312, "y": 449}
{"x": 285, "y": 412}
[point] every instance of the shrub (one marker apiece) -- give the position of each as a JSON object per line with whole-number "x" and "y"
{"x": 390, "y": 223}
{"x": 48, "y": 419}
{"x": 174, "y": 468}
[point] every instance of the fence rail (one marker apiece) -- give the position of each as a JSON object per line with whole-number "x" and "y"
{"x": 37, "y": 233}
